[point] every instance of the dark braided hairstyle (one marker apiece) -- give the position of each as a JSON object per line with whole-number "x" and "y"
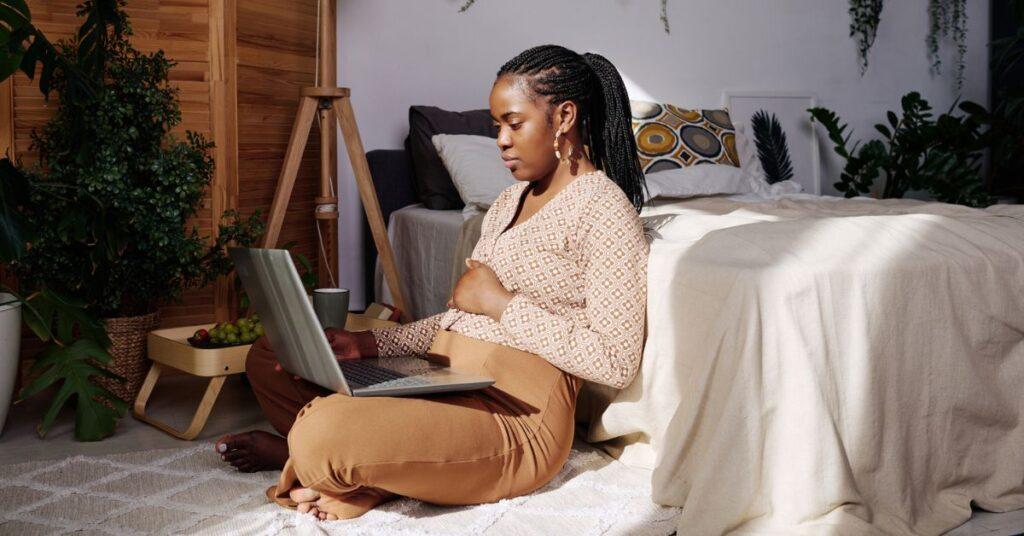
{"x": 594, "y": 84}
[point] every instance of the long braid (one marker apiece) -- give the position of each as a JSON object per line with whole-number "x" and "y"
{"x": 594, "y": 84}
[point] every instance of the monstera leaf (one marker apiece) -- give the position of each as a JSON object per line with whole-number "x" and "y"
{"x": 15, "y": 27}
{"x": 23, "y": 47}
{"x": 47, "y": 309}
{"x": 71, "y": 366}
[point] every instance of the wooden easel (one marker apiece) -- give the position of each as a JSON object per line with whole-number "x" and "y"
{"x": 327, "y": 100}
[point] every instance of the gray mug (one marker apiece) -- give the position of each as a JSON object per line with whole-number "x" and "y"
{"x": 331, "y": 306}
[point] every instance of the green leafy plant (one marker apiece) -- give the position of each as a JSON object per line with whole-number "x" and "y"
{"x": 947, "y": 19}
{"x": 64, "y": 324}
{"x": 23, "y": 47}
{"x": 98, "y": 227}
{"x": 865, "y": 15}
{"x": 115, "y": 238}
{"x": 916, "y": 152}
{"x": 772, "y": 149}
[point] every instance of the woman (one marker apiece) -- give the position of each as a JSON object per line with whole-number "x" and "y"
{"x": 554, "y": 294}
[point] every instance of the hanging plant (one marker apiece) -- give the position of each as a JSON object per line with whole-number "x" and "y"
{"x": 663, "y": 17}
{"x": 948, "y": 19}
{"x": 864, "y": 18}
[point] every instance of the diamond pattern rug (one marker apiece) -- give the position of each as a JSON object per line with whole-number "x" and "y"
{"x": 190, "y": 490}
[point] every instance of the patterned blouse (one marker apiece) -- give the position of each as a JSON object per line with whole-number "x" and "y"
{"x": 578, "y": 271}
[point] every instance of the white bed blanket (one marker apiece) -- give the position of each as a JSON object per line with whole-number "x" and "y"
{"x": 826, "y": 366}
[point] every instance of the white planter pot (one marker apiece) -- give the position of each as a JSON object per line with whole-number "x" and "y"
{"x": 10, "y": 347}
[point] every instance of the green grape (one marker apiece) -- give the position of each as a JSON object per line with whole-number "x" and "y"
{"x": 232, "y": 338}
{"x": 258, "y": 330}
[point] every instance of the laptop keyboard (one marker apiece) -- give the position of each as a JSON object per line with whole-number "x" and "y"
{"x": 367, "y": 374}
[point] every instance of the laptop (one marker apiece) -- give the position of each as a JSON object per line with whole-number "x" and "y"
{"x": 293, "y": 331}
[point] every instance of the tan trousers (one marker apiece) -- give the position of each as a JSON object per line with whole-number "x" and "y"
{"x": 462, "y": 448}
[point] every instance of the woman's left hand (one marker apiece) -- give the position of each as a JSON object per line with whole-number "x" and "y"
{"x": 480, "y": 291}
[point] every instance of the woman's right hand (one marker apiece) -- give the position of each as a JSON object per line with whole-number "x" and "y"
{"x": 346, "y": 344}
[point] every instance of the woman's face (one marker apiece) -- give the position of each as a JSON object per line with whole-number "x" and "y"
{"x": 525, "y": 139}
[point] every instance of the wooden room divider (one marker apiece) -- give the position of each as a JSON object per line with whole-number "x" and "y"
{"x": 241, "y": 65}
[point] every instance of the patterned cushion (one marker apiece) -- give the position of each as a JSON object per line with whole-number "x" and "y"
{"x": 669, "y": 137}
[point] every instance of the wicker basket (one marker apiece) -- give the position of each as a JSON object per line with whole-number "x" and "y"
{"x": 128, "y": 348}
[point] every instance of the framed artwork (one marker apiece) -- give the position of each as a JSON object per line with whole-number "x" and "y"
{"x": 790, "y": 107}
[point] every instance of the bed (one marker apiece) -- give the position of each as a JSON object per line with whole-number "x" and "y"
{"x": 816, "y": 365}
{"x": 429, "y": 246}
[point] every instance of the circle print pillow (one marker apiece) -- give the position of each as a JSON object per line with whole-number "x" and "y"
{"x": 670, "y": 137}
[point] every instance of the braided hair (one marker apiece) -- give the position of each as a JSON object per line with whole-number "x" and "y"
{"x": 594, "y": 84}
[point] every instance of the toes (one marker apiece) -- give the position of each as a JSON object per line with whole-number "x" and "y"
{"x": 222, "y": 444}
{"x": 233, "y": 456}
{"x": 304, "y": 494}
{"x": 304, "y": 507}
{"x": 332, "y": 517}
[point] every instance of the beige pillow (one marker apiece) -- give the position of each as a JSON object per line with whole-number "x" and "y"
{"x": 670, "y": 137}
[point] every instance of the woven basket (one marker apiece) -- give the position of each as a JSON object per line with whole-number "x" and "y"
{"x": 128, "y": 348}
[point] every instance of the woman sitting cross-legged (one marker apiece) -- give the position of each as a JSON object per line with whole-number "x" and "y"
{"x": 555, "y": 294}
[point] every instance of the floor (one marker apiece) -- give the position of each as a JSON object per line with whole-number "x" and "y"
{"x": 236, "y": 410}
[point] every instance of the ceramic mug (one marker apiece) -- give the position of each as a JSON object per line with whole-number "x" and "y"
{"x": 331, "y": 306}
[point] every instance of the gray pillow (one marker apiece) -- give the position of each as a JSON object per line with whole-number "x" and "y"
{"x": 433, "y": 183}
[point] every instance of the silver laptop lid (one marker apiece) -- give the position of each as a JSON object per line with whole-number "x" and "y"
{"x": 289, "y": 322}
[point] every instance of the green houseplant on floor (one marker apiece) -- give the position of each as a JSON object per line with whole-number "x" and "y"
{"x": 109, "y": 204}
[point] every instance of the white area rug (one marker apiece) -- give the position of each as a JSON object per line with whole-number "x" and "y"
{"x": 191, "y": 490}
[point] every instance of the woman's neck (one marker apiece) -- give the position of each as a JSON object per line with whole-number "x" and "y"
{"x": 561, "y": 176}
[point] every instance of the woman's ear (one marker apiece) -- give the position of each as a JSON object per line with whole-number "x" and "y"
{"x": 566, "y": 113}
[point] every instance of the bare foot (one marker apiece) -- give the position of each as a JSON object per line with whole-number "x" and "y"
{"x": 307, "y": 500}
{"x": 253, "y": 451}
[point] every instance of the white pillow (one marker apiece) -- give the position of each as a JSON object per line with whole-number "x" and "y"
{"x": 475, "y": 164}
{"x": 698, "y": 180}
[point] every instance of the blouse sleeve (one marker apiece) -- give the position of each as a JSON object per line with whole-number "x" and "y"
{"x": 605, "y": 344}
{"x": 416, "y": 337}
{"x": 407, "y": 339}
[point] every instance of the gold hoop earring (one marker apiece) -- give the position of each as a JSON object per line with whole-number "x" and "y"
{"x": 558, "y": 154}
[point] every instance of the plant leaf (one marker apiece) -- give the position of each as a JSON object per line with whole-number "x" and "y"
{"x": 72, "y": 365}
{"x": 772, "y": 149}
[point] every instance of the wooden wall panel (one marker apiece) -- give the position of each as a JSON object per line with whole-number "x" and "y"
{"x": 276, "y": 59}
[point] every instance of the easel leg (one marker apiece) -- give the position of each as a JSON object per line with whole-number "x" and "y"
{"x": 292, "y": 158}
{"x": 371, "y": 205}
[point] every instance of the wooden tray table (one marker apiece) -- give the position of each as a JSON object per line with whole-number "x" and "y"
{"x": 169, "y": 348}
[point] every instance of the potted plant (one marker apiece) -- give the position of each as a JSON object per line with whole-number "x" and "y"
{"x": 110, "y": 200}
{"x": 940, "y": 155}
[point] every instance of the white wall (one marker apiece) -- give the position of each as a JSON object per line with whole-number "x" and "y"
{"x": 396, "y": 53}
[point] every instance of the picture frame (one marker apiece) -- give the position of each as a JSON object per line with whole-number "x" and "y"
{"x": 790, "y": 107}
